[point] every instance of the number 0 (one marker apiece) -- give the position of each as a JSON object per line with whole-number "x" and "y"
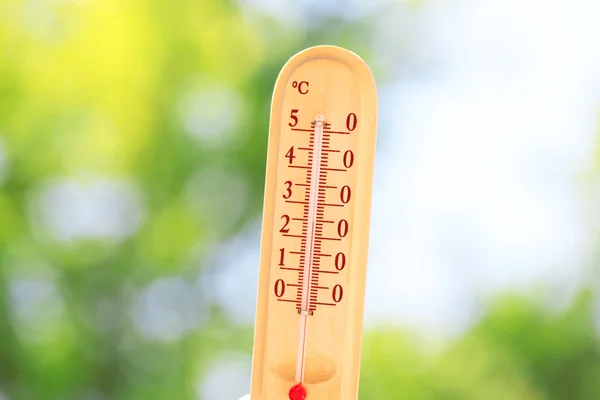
{"x": 348, "y": 158}
{"x": 351, "y": 121}
{"x": 340, "y": 261}
{"x": 342, "y": 228}
{"x": 345, "y": 194}
{"x": 338, "y": 293}
{"x": 279, "y": 287}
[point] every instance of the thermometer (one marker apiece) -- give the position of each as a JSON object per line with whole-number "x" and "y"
{"x": 315, "y": 228}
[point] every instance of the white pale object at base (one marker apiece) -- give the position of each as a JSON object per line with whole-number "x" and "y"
{"x": 246, "y": 397}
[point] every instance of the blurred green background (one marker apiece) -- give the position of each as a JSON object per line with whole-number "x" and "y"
{"x": 132, "y": 148}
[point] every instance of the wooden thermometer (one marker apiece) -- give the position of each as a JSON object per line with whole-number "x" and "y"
{"x": 315, "y": 231}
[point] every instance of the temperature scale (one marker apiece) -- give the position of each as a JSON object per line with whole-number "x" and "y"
{"x": 315, "y": 230}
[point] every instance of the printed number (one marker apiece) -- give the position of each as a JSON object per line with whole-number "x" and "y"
{"x": 340, "y": 261}
{"x": 345, "y": 194}
{"x": 293, "y": 118}
{"x": 348, "y": 159}
{"x": 288, "y": 189}
{"x": 338, "y": 293}
{"x": 280, "y": 288}
{"x": 351, "y": 121}
{"x": 342, "y": 228}
{"x": 291, "y": 156}
{"x": 281, "y": 254}
{"x": 287, "y": 221}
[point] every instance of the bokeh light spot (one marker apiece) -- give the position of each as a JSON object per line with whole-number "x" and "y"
{"x": 227, "y": 378}
{"x": 167, "y": 309}
{"x": 98, "y": 208}
{"x": 210, "y": 113}
{"x": 218, "y": 195}
{"x": 231, "y": 275}
{"x": 37, "y": 307}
